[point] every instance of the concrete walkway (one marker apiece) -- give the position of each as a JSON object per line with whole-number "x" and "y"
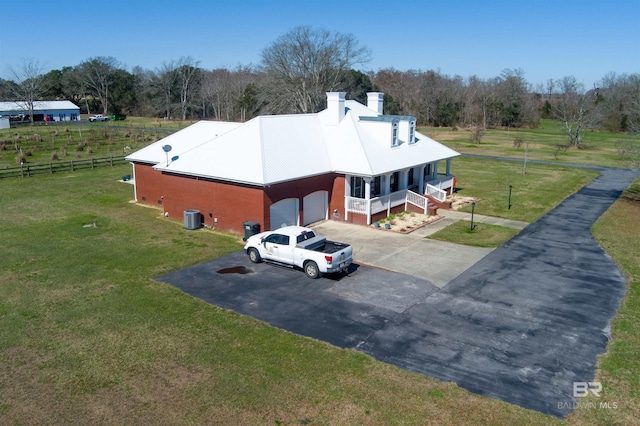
{"x": 479, "y": 218}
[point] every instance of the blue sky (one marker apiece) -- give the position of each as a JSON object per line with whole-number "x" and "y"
{"x": 546, "y": 38}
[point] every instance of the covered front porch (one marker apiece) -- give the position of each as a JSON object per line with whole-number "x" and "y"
{"x": 368, "y": 198}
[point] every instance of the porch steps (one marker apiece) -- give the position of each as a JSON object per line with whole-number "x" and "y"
{"x": 445, "y": 205}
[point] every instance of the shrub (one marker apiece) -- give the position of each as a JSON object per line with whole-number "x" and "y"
{"x": 518, "y": 142}
{"x": 54, "y": 156}
{"x": 63, "y": 152}
{"x": 476, "y": 135}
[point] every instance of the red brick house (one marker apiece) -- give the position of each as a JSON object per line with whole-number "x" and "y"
{"x": 349, "y": 162}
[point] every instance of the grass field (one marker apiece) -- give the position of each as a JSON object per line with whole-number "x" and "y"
{"x": 482, "y": 235}
{"x": 87, "y": 336}
{"x": 600, "y": 148}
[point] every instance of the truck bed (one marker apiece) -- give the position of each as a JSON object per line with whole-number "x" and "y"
{"x": 322, "y": 245}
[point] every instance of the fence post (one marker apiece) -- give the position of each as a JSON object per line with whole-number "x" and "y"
{"x": 28, "y": 171}
{"x": 92, "y": 162}
{"x": 50, "y": 168}
{"x": 71, "y": 165}
{"x": 111, "y": 160}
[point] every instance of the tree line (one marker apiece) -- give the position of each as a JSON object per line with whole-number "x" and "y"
{"x": 298, "y": 68}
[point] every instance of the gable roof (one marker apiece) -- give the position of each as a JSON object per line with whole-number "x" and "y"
{"x": 279, "y": 148}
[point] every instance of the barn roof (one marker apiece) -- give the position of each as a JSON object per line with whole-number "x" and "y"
{"x": 38, "y": 106}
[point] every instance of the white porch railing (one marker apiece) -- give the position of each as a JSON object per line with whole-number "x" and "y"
{"x": 417, "y": 200}
{"x": 384, "y": 202}
{"x": 435, "y": 192}
{"x": 443, "y": 183}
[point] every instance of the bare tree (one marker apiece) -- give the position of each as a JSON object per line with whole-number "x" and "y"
{"x": 187, "y": 75}
{"x": 575, "y": 109}
{"x": 74, "y": 84}
{"x": 165, "y": 82}
{"x": 29, "y": 81}
{"x": 98, "y": 74}
{"x": 305, "y": 63}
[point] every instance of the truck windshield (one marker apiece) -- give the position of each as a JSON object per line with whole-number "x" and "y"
{"x": 305, "y": 236}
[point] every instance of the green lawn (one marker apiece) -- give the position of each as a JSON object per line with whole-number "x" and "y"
{"x": 482, "y": 235}
{"x": 532, "y": 195}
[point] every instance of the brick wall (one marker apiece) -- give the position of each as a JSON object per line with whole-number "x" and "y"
{"x": 231, "y": 204}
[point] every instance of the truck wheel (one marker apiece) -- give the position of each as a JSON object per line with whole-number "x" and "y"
{"x": 254, "y": 255}
{"x": 311, "y": 269}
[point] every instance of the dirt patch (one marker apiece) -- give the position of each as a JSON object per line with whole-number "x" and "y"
{"x": 459, "y": 201}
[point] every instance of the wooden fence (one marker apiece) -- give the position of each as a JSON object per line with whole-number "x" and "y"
{"x": 27, "y": 170}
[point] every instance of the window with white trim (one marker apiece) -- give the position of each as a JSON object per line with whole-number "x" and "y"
{"x": 357, "y": 187}
{"x": 394, "y": 133}
{"x": 412, "y": 132}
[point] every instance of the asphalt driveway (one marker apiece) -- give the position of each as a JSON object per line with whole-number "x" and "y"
{"x": 522, "y": 324}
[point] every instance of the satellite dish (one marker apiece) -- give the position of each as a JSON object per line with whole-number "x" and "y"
{"x": 174, "y": 158}
{"x": 166, "y": 148}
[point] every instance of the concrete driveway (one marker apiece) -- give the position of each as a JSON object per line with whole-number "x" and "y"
{"x": 521, "y": 324}
{"x": 438, "y": 262}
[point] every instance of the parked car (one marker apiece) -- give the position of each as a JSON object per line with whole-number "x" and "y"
{"x": 98, "y": 117}
{"x": 300, "y": 247}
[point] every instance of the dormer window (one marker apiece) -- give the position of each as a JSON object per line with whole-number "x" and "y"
{"x": 412, "y": 132}
{"x": 394, "y": 133}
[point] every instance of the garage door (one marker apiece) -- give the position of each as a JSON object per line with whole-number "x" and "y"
{"x": 284, "y": 213}
{"x": 314, "y": 207}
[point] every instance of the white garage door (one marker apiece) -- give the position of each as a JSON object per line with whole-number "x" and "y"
{"x": 284, "y": 213}
{"x": 314, "y": 207}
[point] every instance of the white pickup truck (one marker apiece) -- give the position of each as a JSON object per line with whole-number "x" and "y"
{"x": 98, "y": 117}
{"x": 296, "y": 246}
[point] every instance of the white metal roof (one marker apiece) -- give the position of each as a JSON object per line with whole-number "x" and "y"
{"x": 278, "y": 148}
{"x": 38, "y": 106}
{"x": 182, "y": 141}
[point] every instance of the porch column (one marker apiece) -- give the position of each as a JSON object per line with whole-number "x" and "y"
{"x": 404, "y": 179}
{"x": 421, "y": 180}
{"x": 367, "y": 188}
{"x": 387, "y": 184}
{"x": 435, "y": 170}
{"x": 367, "y": 196}
{"x": 347, "y": 194}
{"x": 448, "y": 166}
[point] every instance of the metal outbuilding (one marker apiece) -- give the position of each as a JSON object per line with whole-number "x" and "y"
{"x": 42, "y": 110}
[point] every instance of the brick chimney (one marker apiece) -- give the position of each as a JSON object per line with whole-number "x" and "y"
{"x": 336, "y": 106}
{"x": 375, "y": 101}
